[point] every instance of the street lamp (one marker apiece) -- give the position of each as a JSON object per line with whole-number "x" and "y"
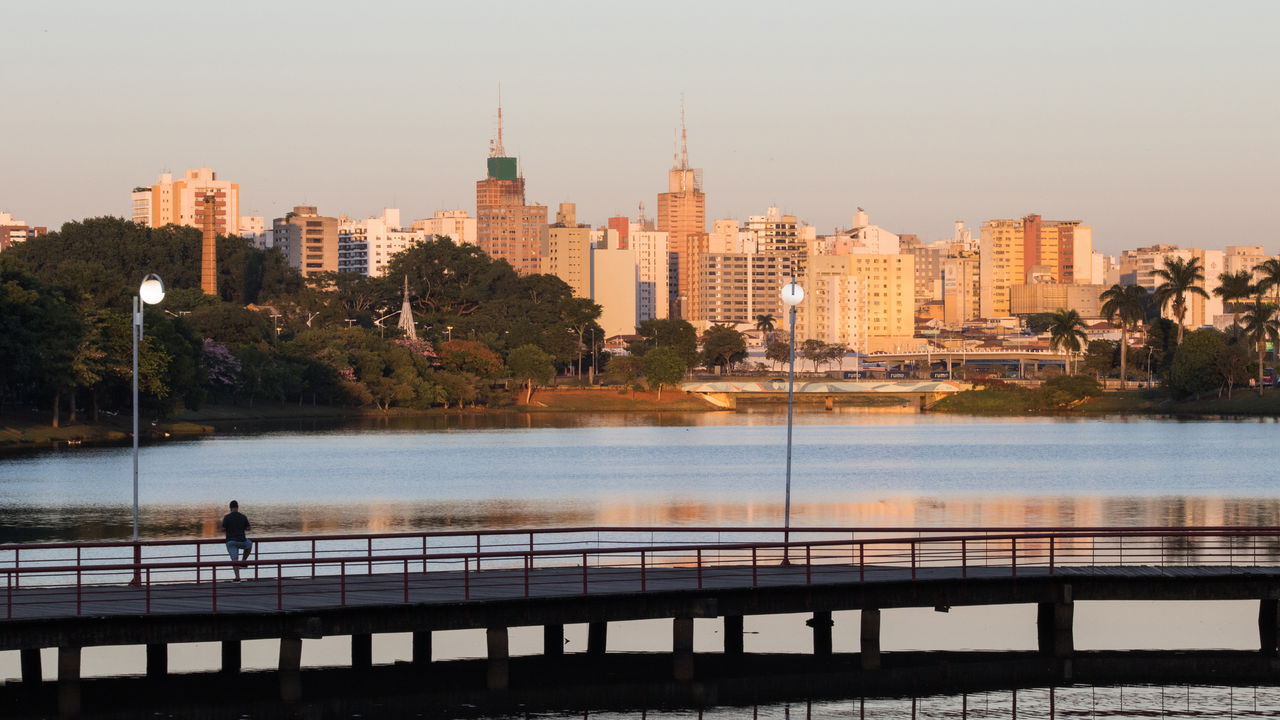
{"x": 448, "y": 331}
{"x": 792, "y": 295}
{"x": 150, "y": 292}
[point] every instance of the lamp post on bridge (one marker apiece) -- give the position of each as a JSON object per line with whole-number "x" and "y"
{"x": 792, "y": 295}
{"x": 150, "y": 292}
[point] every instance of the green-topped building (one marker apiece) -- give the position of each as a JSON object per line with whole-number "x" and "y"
{"x": 506, "y": 227}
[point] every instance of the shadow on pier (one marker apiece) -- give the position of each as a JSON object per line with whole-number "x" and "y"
{"x": 584, "y": 684}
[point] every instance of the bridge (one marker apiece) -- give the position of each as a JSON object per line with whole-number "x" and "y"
{"x": 726, "y": 394}
{"x": 74, "y": 595}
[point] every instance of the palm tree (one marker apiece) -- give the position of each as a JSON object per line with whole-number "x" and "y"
{"x": 1268, "y": 276}
{"x": 1234, "y": 287}
{"x": 1124, "y": 304}
{"x": 766, "y": 323}
{"x": 1262, "y": 324}
{"x": 1066, "y": 330}
{"x": 1180, "y": 278}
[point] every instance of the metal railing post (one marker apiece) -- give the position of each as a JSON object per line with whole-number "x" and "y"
{"x": 643, "y": 585}
{"x": 584, "y": 573}
{"x": 406, "y": 581}
{"x": 808, "y": 564}
{"x": 964, "y": 558}
{"x": 1013, "y": 552}
{"x": 466, "y": 578}
{"x": 862, "y": 562}
{"x": 342, "y": 582}
{"x": 699, "y": 568}
{"x": 1051, "y": 558}
{"x": 148, "y": 594}
{"x": 754, "y": 572}
{"x": 279, "y": 586}
{"x": 913, "y": 558}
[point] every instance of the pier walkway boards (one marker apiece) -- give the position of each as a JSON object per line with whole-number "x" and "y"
{"x": 76, "y": 595}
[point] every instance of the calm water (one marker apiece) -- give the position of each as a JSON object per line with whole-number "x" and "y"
{"x": 705, "y": 469}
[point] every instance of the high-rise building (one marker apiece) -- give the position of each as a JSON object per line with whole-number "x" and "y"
{"x": 566, "y": 251}
{"x": 1244, "y": 257}
{"x": 507, "y": 228}
{"x": 961, "y": 288}
{"x": 928, "y": 260}
{"x": 14, "y": 231}
{"x": 883, "y": 297}
{"x": 180, "y": 202}
{"x": 308, "y": 240}
{"x": 682, "y": 214}
{"x": 777, "y": 233}
{"x": 615, "y": 283}
{"x": 622, "y": 226}
{"x": 1138, "y": 266}
{"x": 457, "y": 225}
{"x": 652, "y": 272}
{"x": 1031, "y": 250}
{"x": 734, "y": 288}
{"x": 367, "y": 246}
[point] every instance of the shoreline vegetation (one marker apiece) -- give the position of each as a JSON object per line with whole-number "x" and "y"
{"x": 21, "y": 430}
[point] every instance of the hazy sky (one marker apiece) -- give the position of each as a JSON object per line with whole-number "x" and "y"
{"x": 1152, "y": 121}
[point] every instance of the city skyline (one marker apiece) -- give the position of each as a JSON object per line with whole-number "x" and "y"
{"x": 1146, "y": 124}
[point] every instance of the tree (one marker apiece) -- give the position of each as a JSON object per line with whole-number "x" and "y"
{"x": 836, "y": 351}
{"x": 1123, "y": 305}
{"x": 1100, "y": 357}
{"x": 579, "y": 314}
{"x": 1268, "y": 277}
{"x": 1262, "y": 325}
{"x": 778, "y": 351}
{"x": 469, "y": 356}
{"x": 678, "y": 335}
{"x": 814, "y": 351}
{"x": 1195, "y": 362}
{"x": 765, "y": 324}
{"x": 664, "y": 365}
{"x": 1234, "y": 287}
{"x": 1180, "y": 279}
{"x": 1066, "y": 332}
{"x": 723, "y": 346}
{"x": 623, "y": 369}
{"x": 532, "y": 364}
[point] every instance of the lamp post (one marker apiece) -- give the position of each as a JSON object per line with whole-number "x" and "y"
{"x": 792, "y": 295}
{"x": 150, "y": 292}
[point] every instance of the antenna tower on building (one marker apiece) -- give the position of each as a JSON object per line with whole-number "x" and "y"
{"x": 496, "y": 148}
{"x": 684, "y": 138}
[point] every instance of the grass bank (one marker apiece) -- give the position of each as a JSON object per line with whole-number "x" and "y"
{"x": 28, "y": 430}
{"x": 613, "y": 400}
{"x": 1019, "y": 401}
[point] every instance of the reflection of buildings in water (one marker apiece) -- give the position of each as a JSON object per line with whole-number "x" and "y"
{"x": 90, "y": 524}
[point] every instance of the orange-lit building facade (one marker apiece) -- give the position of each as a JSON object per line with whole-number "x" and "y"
{"x": 507, "y": 228}
{"x": 182, "y": 201}
{"x": 682, "y": 214}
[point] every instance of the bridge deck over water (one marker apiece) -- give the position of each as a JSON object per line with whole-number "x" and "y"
{"x": 74, "y": 595}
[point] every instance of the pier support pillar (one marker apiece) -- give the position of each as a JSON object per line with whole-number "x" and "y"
{"x": 830, "y": 403}
{"x": 597, "y": 637}
{"x": 821, "y": 623}
{"x": 32, "y": 671}
{"x": 732, "y": 634}
{"x": 1268, "y": 627}
{"x": 1054, "y": 625}
{"x": 682, "y": 648}
{"x": 290, "y": 669}
{"x": 230, "y": 657}
{"x": 869, "y": 639}
{"x": 498, "y": 677}
{"x": 361, "y": 650}
{"x": 421, "y": 647}
{"x": 157, "y": 660}
{"x": 69, "y": 681}
{"x": 553, "y": 639}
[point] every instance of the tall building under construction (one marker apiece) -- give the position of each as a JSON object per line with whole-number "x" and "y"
{"x": 506, "y": 227}
{"x": 682, "y": 214}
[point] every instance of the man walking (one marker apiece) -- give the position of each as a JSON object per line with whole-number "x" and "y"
{"x": 238, "y": 546}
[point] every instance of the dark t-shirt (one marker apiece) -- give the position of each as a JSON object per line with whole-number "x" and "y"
{"x": 235, "y": 523}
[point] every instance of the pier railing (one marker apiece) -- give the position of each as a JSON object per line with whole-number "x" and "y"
{"x": 288, "y": 572}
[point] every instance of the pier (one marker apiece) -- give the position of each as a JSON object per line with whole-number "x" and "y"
{"x": 75, "y": 595}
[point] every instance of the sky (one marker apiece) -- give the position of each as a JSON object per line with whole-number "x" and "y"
{"x": 1154, "y": 122}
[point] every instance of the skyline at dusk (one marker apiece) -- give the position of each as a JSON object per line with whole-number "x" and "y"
{"x": 1148, "y": 122}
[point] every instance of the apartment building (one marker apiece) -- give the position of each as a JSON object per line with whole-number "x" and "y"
{"x": 308, "y": 240}
{"x": 566, "y": 251}
{"x": 457, "y": 225}
{"x": 182, "y": 201}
